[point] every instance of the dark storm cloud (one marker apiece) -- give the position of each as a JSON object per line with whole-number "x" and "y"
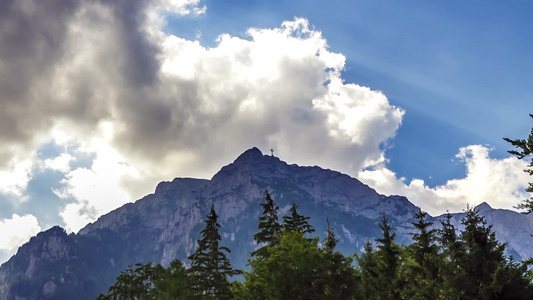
{"x": 141, "y": 65}
{"x": 32, "y": 35}
{"x": 37, "y": 48}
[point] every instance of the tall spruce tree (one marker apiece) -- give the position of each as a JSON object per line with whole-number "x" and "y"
{"x": 525, "y": 150}
{"x": 482, "y": 256}
{"x": 269, "y": 227}
{"x": 368, "y": 269}
{"x": 452, "y": 253}
{"x": 297, "y": 222}
{"x": 388, "y": 255}
{"x": 210, "y": 268}
{"x": 338, "y": 278}
{"x": 424, "y": 281}
{"x": 330, "y": 242}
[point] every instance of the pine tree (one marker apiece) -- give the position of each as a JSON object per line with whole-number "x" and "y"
{"x": 339, "y": 279}
{"x": 452, "y": 253}
{"x": 297, "y": 222}
{"x": 526, "y": 150}
{"x": 209, "y": 266}
{"x": 330, "y": 242}
{"x": 171, "y": 283}
{"x": 134, "y": 283}
{"x": 368, "y": 268}
{"x": 424, "y": 242}
{"x": 388, "y": 255}
{"x": 269, "y": 227}
{"x": 483, "y": 254}
{"x": 424, "y": 281}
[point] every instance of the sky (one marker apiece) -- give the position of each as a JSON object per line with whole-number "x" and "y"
{"x": 101, "y": 100}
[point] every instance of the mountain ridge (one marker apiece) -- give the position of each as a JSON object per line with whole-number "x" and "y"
{"x": 165, "y": 225}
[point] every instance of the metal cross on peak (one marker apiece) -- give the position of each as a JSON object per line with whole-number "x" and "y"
{"x": 271, "y": 151}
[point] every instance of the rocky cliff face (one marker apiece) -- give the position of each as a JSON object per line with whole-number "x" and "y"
{"x": 165, "y": 225}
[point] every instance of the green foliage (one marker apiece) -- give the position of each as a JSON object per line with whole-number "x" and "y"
{"x": 388, "y": 261}
{"x": 340, "y": 278}
{"x": 269, "y": 227}
{"x": 331, "y": 241}
{"x": 470, "y": 265}
{"x": 298, "y": 269}
{"x": 289, "y": 270}
{"x": 210, "y": 268}
{"x": 146, "y": 282}
{"x": 425, "y": 260}
{"x": 525, "y": 150}
{"x": 474, "y": 264}
{"x": 368, "y": 267}
{"x": 134, "y": 283}
{"x": 171, "y": 283}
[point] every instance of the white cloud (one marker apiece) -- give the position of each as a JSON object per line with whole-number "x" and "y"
{"x": 14, "y": 179}
{"x": 182, "y": 7}
{"x": 280, "y": 88}
{"x": 59, "y": 163}
{"x": 499, "y": 182}
{"x": 95, "y": 191}
{"x": 16, "y": 231}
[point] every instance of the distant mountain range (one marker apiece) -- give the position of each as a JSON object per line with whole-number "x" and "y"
{"x": 165, "y": 225}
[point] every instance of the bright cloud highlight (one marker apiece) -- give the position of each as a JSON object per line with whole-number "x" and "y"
{"x": 499, "y": 182}
{"x": 15, "y": 231}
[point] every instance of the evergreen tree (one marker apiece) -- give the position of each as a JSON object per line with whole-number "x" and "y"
{"x": 388, "y": 256}
{"x": 330, "y": 242}
{"x": 133, "y": 283}
{"x": 525, "y": 150}
{"x": 368, "y": 269}
{"x": 339, "y": 278}
{"x": 452, "y": 252}
{"x": 424, "y": 244}
{"x": 269, "y": 227}
{"x": 297, "y": 269}
{"x": 290, "y": 271}
{"x": 423, "y": 273}
{"x": 171, "y": 283}
{"x": 209, "y": 266}
{"x": 509, "y": 282}
{"x": 149, "y": 282}
{"x": 474, "y": 265}
{"x": 297, "y": 222}
{"x": 482, "y": 256}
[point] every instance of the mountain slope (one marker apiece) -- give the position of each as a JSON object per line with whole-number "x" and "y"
{"x": 165, "y": 225}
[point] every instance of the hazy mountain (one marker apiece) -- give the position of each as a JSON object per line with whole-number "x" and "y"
{"x": 166, "y": 224}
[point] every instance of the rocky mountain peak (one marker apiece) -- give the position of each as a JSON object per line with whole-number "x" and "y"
{"x": 251, "y": 162}
{"x": 483, "y": 207}
{"x": 249, "y": 155}
{"x": 165, "y": 225}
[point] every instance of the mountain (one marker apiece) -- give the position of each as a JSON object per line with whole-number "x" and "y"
{"x": 165, "y": 225}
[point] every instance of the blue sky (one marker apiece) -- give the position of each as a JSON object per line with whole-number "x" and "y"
{"x": 100, "y": 101}
{"x": 460, "y": 69}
